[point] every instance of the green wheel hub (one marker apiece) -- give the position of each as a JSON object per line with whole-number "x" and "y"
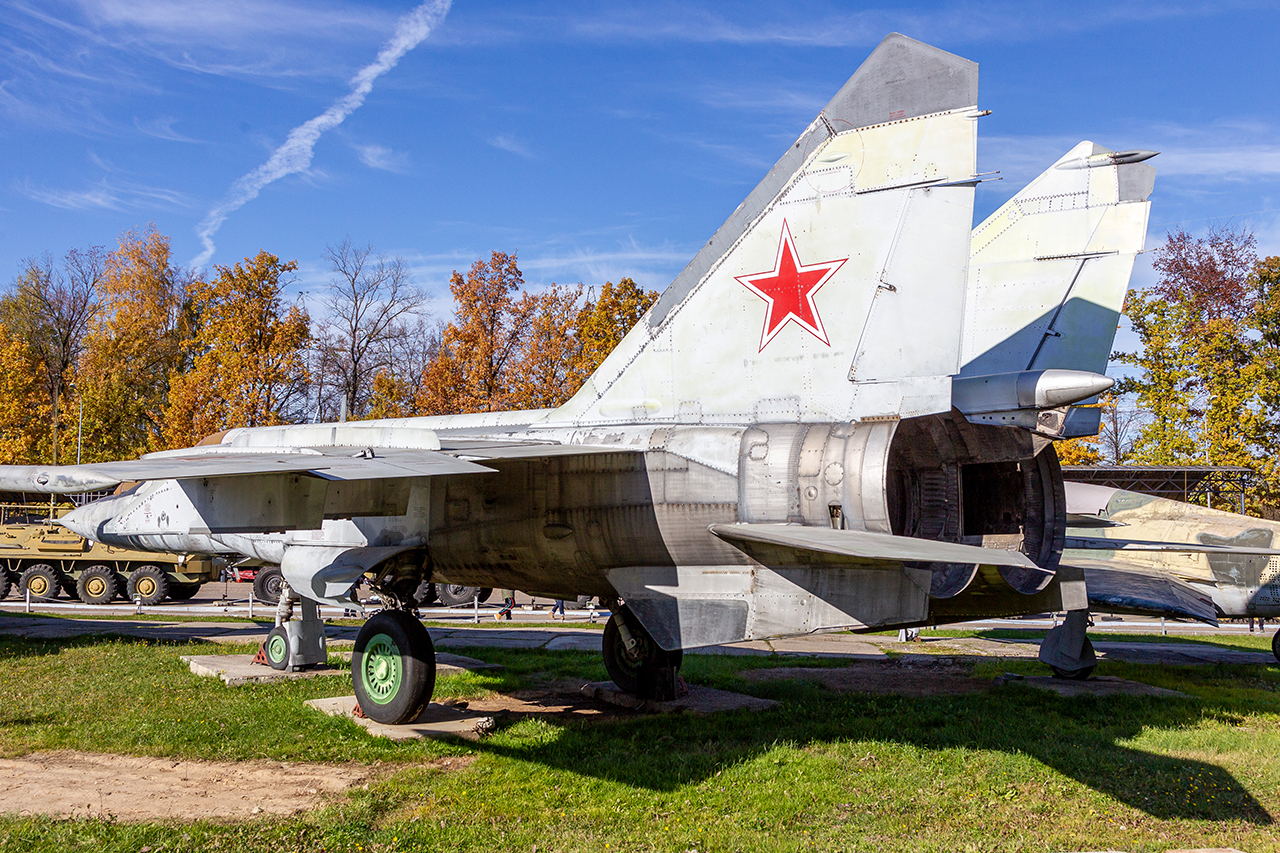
{"x": 382, "y": 670}
{"x": 277, "y": 648}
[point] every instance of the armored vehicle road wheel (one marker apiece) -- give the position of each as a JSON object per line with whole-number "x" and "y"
{"x": 630, "y": 668}
{"x": 183, "y": 591}
{"x": 267, "y": 584}
{"x": 42, "y": 581}
{"x": 1081, "y": 674}
{"x": 97, "y": 585}
{"x": 6, "y": 583}
{"x": 425, "y": 594}
{"x": 393, "y": 668}
{"x": 149, "y": 583}
{"x": 277, "y": 648}
{"x": 453, "y": 595}
{"x": 1275, "y": 644}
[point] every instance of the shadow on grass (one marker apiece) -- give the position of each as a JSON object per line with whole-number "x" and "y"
{"x": 1079, "y": 737}
{"x": 1101, "y": 634}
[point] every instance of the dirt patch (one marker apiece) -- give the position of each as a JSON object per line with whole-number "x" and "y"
{"x": 877, "y": 677}
{"x": 129, "y": 788}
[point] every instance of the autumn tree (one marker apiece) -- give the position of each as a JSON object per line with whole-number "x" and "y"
{"x": 133, "y": 346}
{"x": 369, "y": 306}
{"x": 23, "y": 405}
{"x": 547, "y": 371}
{"x": 48, "y": 308}
{"x": 1198, "y": 356}
{"x": 472, "y": 368}
{"x": 248, "y": 366}
{"x": 605, "y": 320}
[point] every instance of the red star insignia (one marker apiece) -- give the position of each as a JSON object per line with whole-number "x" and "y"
{"x": 788, "y": 289}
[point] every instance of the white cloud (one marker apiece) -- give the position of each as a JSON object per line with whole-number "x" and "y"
{"x": 380, "y": 157}
{"x": 107, "y": 195}
{"x": 296, "y": 152}
{"x": 162, "y": 128}
{"x": 508, "y": 143}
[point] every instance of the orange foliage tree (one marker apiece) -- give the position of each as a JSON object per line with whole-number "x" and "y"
{"x": 23, "y": 406}
{"x": 249, "y": 367}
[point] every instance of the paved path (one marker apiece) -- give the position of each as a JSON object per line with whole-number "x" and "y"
{"x": 840, "y": 645}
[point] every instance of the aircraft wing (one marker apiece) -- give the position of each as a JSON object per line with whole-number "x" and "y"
{"x": 865, "y": 546}
{"x": 1086, "y": 543}
{"x": 1114, "y": 585}
{"x": 217, "y": 461}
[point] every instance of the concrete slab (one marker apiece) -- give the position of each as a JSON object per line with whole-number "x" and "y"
{"x": 1103, "y": 685}
{"x": 699, "y": 700}
{"x": 574, "y": 642}
{"x": 439, "y": 721}
{"x": 1196, "y": 653}
{"x": 238, "y": 670}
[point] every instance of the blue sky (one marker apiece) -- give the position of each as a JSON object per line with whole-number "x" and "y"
{"x": 598, "y": 140}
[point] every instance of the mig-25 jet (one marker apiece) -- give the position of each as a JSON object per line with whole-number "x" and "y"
{"x": 840, "y": 414}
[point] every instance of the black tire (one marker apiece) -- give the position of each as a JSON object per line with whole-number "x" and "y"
{"x": 42, "y": 580}
{"x": 276, "y": 648}
{"x": 453, "y": 595}
{"x": 97, "y": 585}
{"x": 267, "y": 584}
{"x": 393, "y": 668}
{"x": 182, "y": 591}
{"x": 150, "y": 584}
{"x": 1275, "y": 645}
{"x": 485, "y": 592}
{"x": 1081, "y": 674}
{"x": 425, "y": 594}
{"x": 626, "y": 668}
{"x": 6, "y": 583}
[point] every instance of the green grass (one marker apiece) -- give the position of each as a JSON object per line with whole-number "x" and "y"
{"x": 1010, "y": 769}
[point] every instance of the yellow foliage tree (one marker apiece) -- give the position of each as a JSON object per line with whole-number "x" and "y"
{"x": 546, "y": 374}
{"x": 23, "y": 406}
{"x": 604, "y": 321}
{"x": 248, "y": 367}
{"x": 133, "y": 347}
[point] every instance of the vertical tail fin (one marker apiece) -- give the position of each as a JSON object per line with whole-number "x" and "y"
{"x": 1048, "y": 271}
{"x": 835, "y": 291}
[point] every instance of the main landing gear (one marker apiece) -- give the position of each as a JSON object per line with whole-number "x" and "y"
{"x": 635, "y": 662}
{"x": 393, "y": 668}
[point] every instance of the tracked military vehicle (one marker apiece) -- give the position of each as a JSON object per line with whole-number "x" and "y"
{"x": 40, "y": 557}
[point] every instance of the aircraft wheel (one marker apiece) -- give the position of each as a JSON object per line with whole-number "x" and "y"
{"x": 148, "y": 583}
{"x": 96, "y": 585}
{"x": 393, "y": 668}
{"x": 1275, "y": 645}
{"x": 1080, "y": 674}
{"x": 267, "y": 584}
{"x": 454, "y": 595}
{"x": 183, "y": 591}
{"x": 626, "y": 667}
{"x": 42, "y": 581}
{"x": 277, "y": 648}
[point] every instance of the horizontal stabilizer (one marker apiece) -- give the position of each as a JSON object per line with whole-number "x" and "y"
{"x": 1145, "y": 591}
{"x": 863, "y": 545}
{"x": 1101, "y": 544}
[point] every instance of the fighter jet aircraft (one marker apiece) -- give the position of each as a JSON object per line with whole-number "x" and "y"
{"x": 1151, "y": 556}
{"x": 840, "y": 414}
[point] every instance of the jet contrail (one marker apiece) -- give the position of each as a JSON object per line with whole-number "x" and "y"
{"x": 295, "y": 154}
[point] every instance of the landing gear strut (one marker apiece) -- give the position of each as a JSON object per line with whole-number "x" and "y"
{"x": 295, "y": 644}
{"x": 393, "y": 668}
{"x": 636, "y": 663}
